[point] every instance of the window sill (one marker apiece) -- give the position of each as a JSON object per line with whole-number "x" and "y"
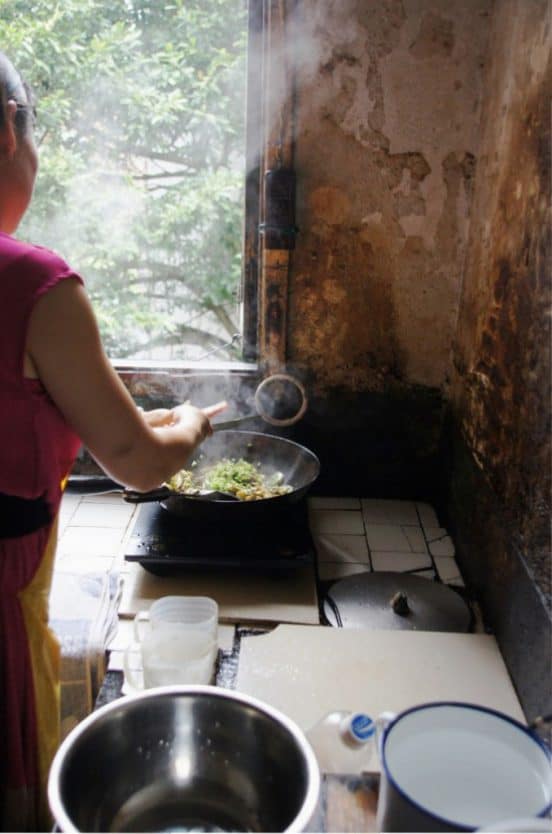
{"x": 150, "y": 366}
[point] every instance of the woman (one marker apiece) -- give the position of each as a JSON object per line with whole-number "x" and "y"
{"x": 57, "y": 390}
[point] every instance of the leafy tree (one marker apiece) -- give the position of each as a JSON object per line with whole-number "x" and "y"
{"x": 141, "y": 107}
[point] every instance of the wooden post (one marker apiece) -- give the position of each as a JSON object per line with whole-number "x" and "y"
{"x": 278, "y": 119}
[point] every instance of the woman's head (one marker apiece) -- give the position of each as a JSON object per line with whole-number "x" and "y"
{"x": 18, "y": 158}
{"x": 13, "y": 88}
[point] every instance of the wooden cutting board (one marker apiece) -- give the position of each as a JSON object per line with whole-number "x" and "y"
{"x": 309, "y": 671}
{"x": 241, "y": 597}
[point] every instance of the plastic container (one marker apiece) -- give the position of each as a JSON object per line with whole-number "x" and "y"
{"x": 177, "y": 643}
{"x": 343, "y": 741}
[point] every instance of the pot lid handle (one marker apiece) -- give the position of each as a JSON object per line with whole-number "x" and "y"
{"x": 399, "y": 604}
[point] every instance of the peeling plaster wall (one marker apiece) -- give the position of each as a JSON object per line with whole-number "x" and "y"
{"x": 501, "y": 392}
{"x": 387, "y": 131}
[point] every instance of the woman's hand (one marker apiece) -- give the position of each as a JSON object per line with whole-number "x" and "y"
{"x": 211, "y": 411}
{"x": 196, "y": 419}
{"x": 170, "y": 416}
{"x": 157, "y": 417}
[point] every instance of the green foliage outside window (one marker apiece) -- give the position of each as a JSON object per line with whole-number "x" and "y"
{"x": 141, "y": 111}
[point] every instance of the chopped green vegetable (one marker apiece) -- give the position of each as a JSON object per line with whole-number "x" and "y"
{"x": 238, "y": 477}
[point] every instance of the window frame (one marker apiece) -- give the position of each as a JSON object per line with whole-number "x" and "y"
{"x": 263, "y": 290}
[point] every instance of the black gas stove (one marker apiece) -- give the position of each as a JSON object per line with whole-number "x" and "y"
{"x": 165, "y": 544}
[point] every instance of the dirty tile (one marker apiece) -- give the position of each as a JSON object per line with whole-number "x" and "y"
{"x": 68, "y": 508}
{"x": 428, "y": 516}
{"x": 90, "y": 541}
{"x": 69, "y": 503}
{"x": 387, "y": 537}
{"x": 63, "y": 523}
{"x": 106, "y": 498}
{"x": 85, "y": 564}
{"x": 388, "y": 560}
{"x": 378, "y": 511}
{"x": 335, "y": 548}
{"x": 439, "y": 542}
{"x": 447, "y": 568}
{"x": 416, "y": 539}
{"x": 94, "y": 514}
{"x": 427, "y": 574}
{"x": 339, "y": 570}
{"x": 336, "y": 521}
{"x": 325, "y": 503}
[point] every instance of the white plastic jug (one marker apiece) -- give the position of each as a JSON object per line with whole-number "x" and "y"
{"x": 177, "y": 643}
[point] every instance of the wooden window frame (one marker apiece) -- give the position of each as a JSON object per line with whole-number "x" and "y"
{"x": 265, "y": 275}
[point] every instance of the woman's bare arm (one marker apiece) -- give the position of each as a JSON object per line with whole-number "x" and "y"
{"x": 64, "y": 346}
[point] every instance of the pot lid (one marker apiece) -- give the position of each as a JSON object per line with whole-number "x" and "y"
{"x": 391, "y": 600}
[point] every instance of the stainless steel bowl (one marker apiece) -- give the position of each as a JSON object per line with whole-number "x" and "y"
{"x": 184, "y": 758}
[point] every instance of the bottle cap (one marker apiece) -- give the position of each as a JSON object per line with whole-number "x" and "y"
{"x": 358, "y": 728}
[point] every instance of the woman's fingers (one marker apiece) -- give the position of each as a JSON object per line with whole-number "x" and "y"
{"x": 158, "y": 417}
{"x": 211, "y": 411}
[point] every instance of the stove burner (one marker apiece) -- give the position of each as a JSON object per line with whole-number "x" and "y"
{"x": 165, "y": 544}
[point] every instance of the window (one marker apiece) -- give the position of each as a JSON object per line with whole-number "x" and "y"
{"x": 142, "y": 141}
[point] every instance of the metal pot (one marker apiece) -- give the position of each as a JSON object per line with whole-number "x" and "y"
{"x": 185, "y": 758}
{"x": 298, "y": 465}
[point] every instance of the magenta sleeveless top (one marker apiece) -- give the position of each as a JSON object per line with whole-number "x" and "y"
{"x": 37, "y": 447}
{"x": 37, "y": 450}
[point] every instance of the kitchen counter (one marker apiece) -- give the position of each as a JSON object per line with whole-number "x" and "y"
{"x": 348, "y": 801}
{"x": 351, "y": 536}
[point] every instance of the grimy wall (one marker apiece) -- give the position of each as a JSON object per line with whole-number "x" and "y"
{"x": 388, "y": 95}
{"x": 500, "y": 461}
{"x": 386, "y": 147}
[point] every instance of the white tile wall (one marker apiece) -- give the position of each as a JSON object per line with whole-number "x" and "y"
{"x": 389, "y": 537}
{"x": 439, "y": 542}
{"x": 377, "y": 511}
{"x": 389, "y": 560}
{"x": 342, "y": 548}
{"x": 91, "y": 532}
{"x": 428, "y": 516}
{"x": 323, "y": 503}
{"x": 386, "y": 535}
{"x": 348, "y": 522}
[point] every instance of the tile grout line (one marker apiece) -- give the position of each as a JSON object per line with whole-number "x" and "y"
{"x": 436, "y": 573}
{"x": 369, "y": 549}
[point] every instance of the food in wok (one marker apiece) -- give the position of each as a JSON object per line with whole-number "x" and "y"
{"x": 238, "y": 477}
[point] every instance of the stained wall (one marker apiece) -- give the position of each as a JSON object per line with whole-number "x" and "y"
{"x": 500, "y": 465}
{"x": 387, "y": 131}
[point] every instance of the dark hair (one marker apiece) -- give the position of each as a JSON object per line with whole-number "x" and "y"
{"x": 13, "y": 88}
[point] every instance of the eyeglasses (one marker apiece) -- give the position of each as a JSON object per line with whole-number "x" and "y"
{"x": 29, "y": 107}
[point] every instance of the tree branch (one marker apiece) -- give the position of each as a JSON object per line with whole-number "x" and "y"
{"x": 184, "y": 333}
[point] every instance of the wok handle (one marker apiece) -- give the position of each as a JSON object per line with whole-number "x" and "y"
{"x": 132, "y": 496}
{"x": 92, "y": 485}
{"x": 228, "y": 424}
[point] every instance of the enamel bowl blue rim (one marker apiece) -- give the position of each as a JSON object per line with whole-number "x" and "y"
{"x": 463, "y": 704}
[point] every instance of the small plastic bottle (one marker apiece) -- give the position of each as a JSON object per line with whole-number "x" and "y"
{"x": 343, "y": 741}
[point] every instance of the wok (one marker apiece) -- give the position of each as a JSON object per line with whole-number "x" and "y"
{"x": 299, "y": 467}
